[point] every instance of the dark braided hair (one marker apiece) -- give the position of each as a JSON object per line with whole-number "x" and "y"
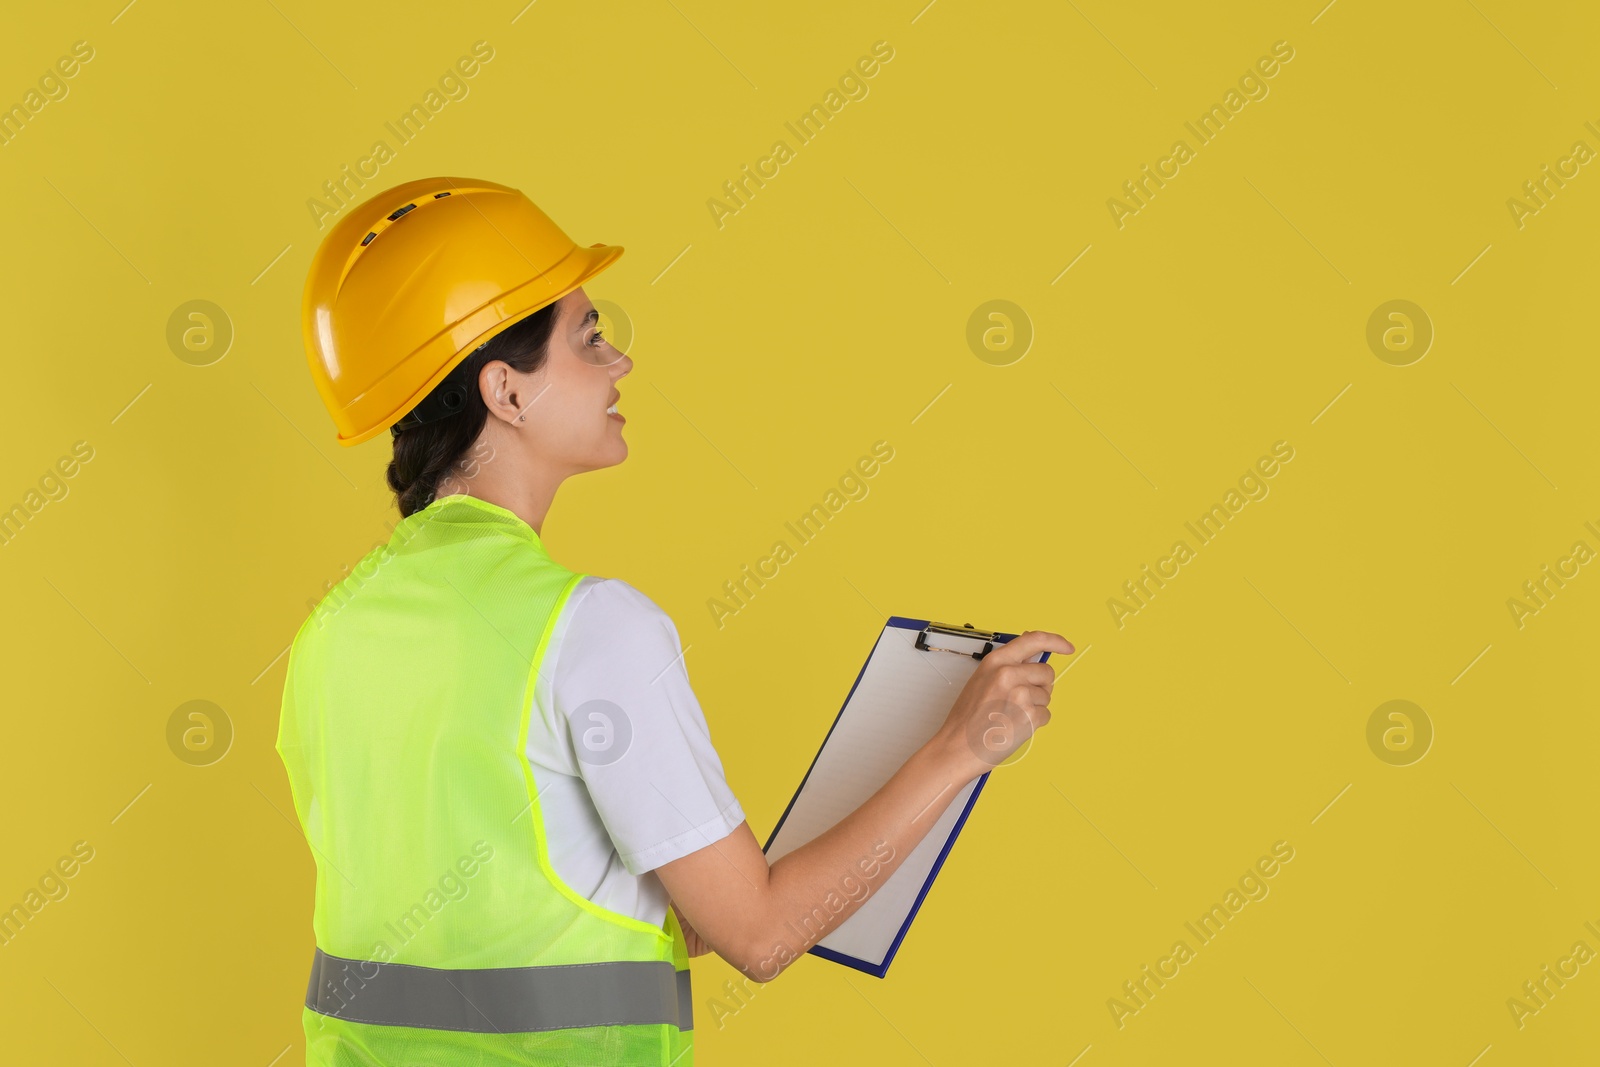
{"x": 425, "y": 452}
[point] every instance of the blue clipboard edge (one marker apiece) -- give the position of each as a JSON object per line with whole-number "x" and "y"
{"x": 880, "y": 970}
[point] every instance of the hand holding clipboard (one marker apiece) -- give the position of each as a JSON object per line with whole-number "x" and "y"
{"x": 1005, "y": 701}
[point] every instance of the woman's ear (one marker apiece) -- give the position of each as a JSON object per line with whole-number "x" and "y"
{"x": 499, "y": 391}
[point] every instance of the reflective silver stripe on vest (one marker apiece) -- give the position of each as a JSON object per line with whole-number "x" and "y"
{"x": 501, "y": 999}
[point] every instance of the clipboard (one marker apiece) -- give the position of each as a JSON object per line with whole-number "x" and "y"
{"x": 901, "y": 696}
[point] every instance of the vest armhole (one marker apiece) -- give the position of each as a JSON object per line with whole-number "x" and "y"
{"x": 536, "y": 814}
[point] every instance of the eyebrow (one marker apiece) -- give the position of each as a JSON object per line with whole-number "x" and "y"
{"x": 592, "y": 316}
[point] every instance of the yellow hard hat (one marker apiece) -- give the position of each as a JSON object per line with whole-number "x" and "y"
{"x": 408, "y": 283}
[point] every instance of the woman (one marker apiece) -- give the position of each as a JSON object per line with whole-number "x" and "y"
{"x": 521, "y": 827}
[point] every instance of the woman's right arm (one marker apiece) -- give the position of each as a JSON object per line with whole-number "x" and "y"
{"x": 761, "y": 918}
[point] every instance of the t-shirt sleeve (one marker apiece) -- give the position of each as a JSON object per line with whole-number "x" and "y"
{"x": 639, "y": 738}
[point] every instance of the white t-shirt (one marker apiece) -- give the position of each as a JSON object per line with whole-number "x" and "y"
{"x": 622, "y": 759}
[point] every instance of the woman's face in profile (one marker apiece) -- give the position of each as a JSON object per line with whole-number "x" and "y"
{"x": 571, "y": 424}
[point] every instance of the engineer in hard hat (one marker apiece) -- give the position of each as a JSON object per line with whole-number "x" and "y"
{"x": 521, "y": 828}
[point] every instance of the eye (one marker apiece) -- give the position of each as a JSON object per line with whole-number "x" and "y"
{"x": 598, "y": 335}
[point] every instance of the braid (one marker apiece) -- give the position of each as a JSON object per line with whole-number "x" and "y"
{"x": 420, "y": 460}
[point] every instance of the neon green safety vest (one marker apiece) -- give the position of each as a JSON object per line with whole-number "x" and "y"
{"x": 443, "y": 936}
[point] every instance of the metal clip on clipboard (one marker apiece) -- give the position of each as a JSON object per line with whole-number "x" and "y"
{"x": 988, "y": 637}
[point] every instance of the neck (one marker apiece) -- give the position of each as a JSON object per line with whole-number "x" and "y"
{"x": 530, "y": 505}
{"x": 527, "y": 492}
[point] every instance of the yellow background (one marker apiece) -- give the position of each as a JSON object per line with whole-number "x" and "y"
{"x": 830, "y": 313}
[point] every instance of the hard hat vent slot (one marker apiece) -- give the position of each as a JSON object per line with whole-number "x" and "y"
{"x": 438, "y": 195}
{"x": 367, "y": 239}
{"x": 402, "y": 211}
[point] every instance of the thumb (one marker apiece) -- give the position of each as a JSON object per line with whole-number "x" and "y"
{"x": 1024, "y": 646}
